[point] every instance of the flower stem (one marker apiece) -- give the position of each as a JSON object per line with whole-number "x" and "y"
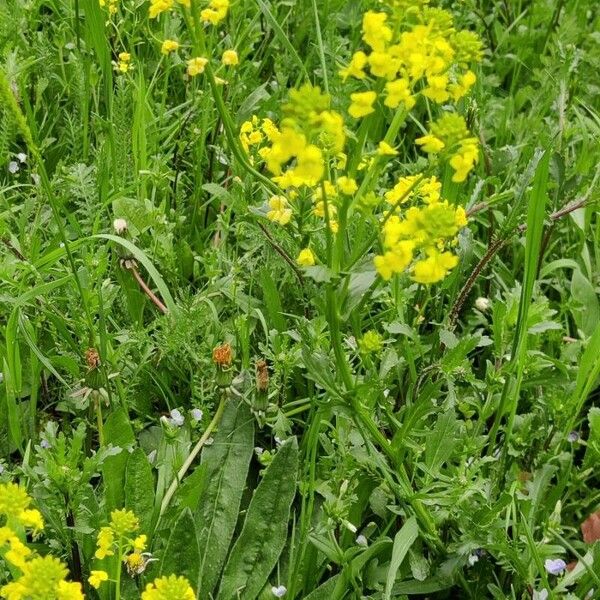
{"x": 193, "y": 454}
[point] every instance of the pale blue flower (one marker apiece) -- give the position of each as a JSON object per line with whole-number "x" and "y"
{"x": 555, "y": 566}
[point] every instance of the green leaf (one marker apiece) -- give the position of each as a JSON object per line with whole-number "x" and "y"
{"x": 272, "y": 300}
{"x": 441, "y": 442}
{"x": 586, "y": 309}
{"x": 181, "y": 555}
{"x": 403, "y": 541}
{"x": 163, "y": 290}
{"x": 118, "y": 433}
{"x": 324, "y": 591}
{"x": 263, "y": 536}
{"x": 139, "y": 488}
{"x": 225, "y": 465}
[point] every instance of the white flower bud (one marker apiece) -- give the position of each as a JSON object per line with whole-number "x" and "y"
{"x": 483, "y": 304}
{"x": 120, "y": 225}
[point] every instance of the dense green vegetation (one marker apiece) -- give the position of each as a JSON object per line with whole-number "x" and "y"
{"x": 307, "y": 364}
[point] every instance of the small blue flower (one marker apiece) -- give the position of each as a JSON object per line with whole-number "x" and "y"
{"x": 44, "y": 443}
{"x": 177, "y": 418}
{"x": 573, "y": 437}
{"x": 279, "y": 592}
{"x": 197, "y": 414}
{"x": 555, "y": 566}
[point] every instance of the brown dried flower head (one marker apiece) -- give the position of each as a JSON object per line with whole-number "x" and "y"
{"x": 92, "y": 358}
{"x": 222, "y": 355}
{"x": 262, "y": 375}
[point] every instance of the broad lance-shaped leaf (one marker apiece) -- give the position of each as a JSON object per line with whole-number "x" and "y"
{"x": 225, "y": 465}
{"x": 139, "y": 488}
{"x": 181, "y": 555}
{"x": 118, "y": 433}
{"x": 403, "y": 541}
{"x": 263, "y": 536}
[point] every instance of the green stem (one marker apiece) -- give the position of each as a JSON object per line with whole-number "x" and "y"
{"x": 192, "y": 456}
{"x": 118, "y": 576}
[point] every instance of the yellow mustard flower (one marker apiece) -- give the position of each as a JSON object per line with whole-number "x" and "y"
{"x": 169, "y": 588}
{"x": 196, "y": 66}
{"x": 169, "y": 46}
{"x": 356, "y": 66}
{"x": 230, "y": 58}
{"x": 97, "y": 578}
{"x": 362, "y": 104}
{"x": 375, "y": 32}
{"x": 158, "y": 7}
{"x": 306, "y": 258}
{"x": 347, "y": 185}
{"x": 216, "y": 12}
{"x": 396, "y": 260}
{"x": 437, "y": 88}
{"x": 279, "y": 210}
{"x": 435, "y": 267}
{"x": 384, "y": 149}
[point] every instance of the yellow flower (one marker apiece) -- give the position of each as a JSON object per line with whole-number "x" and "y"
{"x": 462, "y": 87}
{"x": 159, "y": 6}
{"x": 18, "y": 553}
{"x": 306, "y": 258}
{"x": 123, "y": 521}
{"x": 169, "y": 46}
{"x": 384, "y": 149}
{"x": 430, "y": 143}
{"x": 375, "y": 32}
{"x": 383, "y": 64}
{"x": 139, "y": 544}
{"x": 195, "y": 66}
{"x": 435, "y": 267}
{"x": 436, "y": 89}
{"x": 105, "y": 541}
{"x": 280, "y": 211}
{"x": 230, "y": 58}
{"x": 96, "y": 578}
{"x": 356, "y": 66}
{"x": 67, "y": 590}
{"x": 169, "y": 588}
{"x": 347, "y": 185}
{"x": 362, "y": 104}
{"x": 398, "y": 92}
{"x": 396, "y": 260}
{"x": 13, "y": 500}
{"x": 216, "y": 12}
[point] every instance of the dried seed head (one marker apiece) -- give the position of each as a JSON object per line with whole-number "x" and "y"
{"x": 222, "y": 355}
{"x": 92, "y": 358}
{"x": 262, "y": 375}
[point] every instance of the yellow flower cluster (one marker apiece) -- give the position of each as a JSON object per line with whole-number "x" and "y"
{"x": 215, "y": 12}
{"x": 124, "y": 64}
{"x": 14, "y": 506}
{"x": 309, "y": 134}
{"x": 423, "y": 231}
{"x": 157, "y": 7}
{"x": 417, "y": 51}
{"x": 118, "y": 535}
{"x": 40, "y": 577}
{"x": 169, "y": 588}
{"x": 169, "y": 46}
{"x": 112, "y": 5}
{"x": 410, "y": 47}
{"x": 449, "y": 134}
